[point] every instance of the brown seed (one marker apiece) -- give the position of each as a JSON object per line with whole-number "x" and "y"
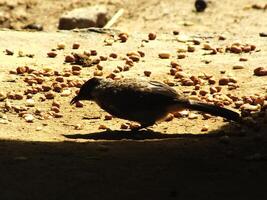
{"x": 98, "y": 73}
{"x": 224, "y": 81}
{"x": 134, "y": 58}
{"x": 56, "y": 104}
{"x": 123, "y": 37}
{"x": 51, "y": 54}
{"x": 108, "y": 117}
{"x": 99, "y": 67}
{"x": 235, "y": 49}
{"x": 76, "y": 72}
{"x": 207, "y": 46}
{"x": 57, "y": 115}
{"x": 18, "y": 96}
{"x": 243, "y": 59}
{"x": 75, "y": 45}
{"x": 69, "y": 59}
{"x": 152, "y": 36}
{"x": 213, "y": 90}
{"x": 164, "y": 55}
{"x": 124, "y": 126}
{"x": 238, "y": 67}
{"x": 181, "y": 56}
{"x": 103, "y": 58}
{"x": 203, "y": 92}
{"x": 187, "y": 82}
{"x": 191, "y": 49}
{"x": 260, "y": 71}
{"x": 129, "y": 62}
{"x": 49, "y": 95}
{"x": 79, "y": 104}
{"x": 93, "y": 52}
{"x": 221, "y": 37}
{"x": 253, "y": 47}
{"x": 212, "y": 81}
{"x": 180, "y": 75}
{"x": 175, "y": 32}
{"x": 102, "y": 127}
{"x": 113, "y": 55}
{"x": 147, "y": 73}
{"x": 76, "y": 68}
{"x": 204, "y": 128}
{"x": 169, "y": 118}
{"x": 59, "y": 79}
{"x": 141, "y": 53}
{"x": 126, "y": 68}
{"x": 55, "y": 109}
{"x": 246, "y": 48}
{"x": 21, "y": 70}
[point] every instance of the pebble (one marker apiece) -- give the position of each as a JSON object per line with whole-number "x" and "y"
{"x": 61, "y": 45}
{"x": 65, "y": 93}
{"x": 164, "y": 55}
{"x": 30, "y": 103}
{"x": 28, "y": 117}
{"x": 75, "y": 45}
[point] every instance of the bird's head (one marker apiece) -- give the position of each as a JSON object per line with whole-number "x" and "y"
{"x": 86, "y": 90}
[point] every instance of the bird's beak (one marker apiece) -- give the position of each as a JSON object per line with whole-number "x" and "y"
{"x": 74, "y": 100}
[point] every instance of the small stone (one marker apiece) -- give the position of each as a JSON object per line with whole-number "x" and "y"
{"x": 28, "y": 117}
{"x": 85, "y": 17}
{"x": 65, "y": 92}
{"x": 30, "y": 103}
{"x": 224, "y": 81}
{"x": 61, "y": 45}
{"x": 191, "y": 49}
{"x": 192, "y": 116}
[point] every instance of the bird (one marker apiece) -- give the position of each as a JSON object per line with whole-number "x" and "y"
{"x": 143, "y": 101}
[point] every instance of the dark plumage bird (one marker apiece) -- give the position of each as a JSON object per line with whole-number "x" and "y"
{"x": 145, "y": 102}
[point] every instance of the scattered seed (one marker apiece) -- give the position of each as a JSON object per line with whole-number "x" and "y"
{"x": 204, "y": 128}
{"x": 243, "y": 59}
{"x": 147, "y": 73}
{"x": 164, "y": 55}
{"x": 181, "y": 56}
{"x": 102, "y": 127}
{"x": 260, "y": 71}
{"x": 75, "y": 45}
{"x": 52, "y": 54}
{"x": 69, "y": 59}
{"x": 124, "y": 126}
{"x": 238, "y": 67}
{"x": 79, "y": 104}
{"x": 113, "y": 55}
{"x": 30, "y": 102}
{"x": 49, "y": 95}
{"x": 152, "y": 36}
{"x": 28, "y": 118}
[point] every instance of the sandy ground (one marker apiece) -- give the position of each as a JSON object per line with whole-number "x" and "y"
{"x": 71, "y": 158}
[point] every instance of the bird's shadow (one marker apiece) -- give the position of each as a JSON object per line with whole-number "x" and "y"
{"x": 146, "y": 134}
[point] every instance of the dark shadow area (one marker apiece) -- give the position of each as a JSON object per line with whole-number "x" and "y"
{"x": 139, "y": 165}
{"x": 138, "y": 135}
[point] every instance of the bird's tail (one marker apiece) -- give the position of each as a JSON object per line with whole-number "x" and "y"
{"x": 213, "y": 110}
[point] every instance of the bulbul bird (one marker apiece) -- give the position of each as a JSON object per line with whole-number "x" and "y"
{"x": 145, "y": 102}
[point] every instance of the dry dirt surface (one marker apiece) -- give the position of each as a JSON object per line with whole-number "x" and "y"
{"x": 52, "y": 150}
